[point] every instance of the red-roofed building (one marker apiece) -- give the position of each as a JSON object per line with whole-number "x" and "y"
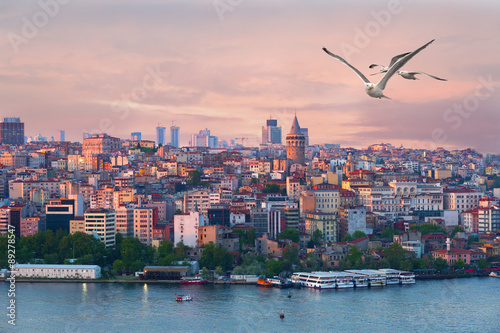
{"x": 452, "y": 255}
{"x": 461, "y": 199}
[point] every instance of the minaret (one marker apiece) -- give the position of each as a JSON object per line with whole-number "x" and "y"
{"x": 295, "y": 143}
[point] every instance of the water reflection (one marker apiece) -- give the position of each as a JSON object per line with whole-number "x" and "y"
{"x": 150, "y": 307}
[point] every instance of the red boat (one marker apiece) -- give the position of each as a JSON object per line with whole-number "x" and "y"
{"x": 193, "y": 280}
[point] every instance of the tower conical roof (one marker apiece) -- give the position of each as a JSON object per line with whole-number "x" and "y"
{"x": 295, "y": 127}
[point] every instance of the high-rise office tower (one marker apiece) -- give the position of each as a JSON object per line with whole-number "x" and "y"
{"x": 135, "y": 136}
{"x": 61, "y": 136}
{"x": 174, "y": 136}
{"x": 271, "y": 133}
{"x": 160, "y": 135}
{"x": 204, "y": 139}
{"x": 305, "y": 131}
{"x": 12, "y": 131}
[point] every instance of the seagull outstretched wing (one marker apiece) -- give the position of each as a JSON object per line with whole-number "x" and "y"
{"x": 398, "y": 64}
{"x": 365, "y": 80}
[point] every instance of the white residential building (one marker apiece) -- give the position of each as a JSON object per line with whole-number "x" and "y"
{"x": 186, "y": 228}
{"x": 101, "y": 222}
{"x": 57, "y": 271}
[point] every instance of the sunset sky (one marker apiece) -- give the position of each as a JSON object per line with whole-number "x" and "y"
{"x": 123, "y": 66}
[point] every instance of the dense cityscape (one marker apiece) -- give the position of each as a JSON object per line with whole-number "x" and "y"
{"x": 126, "y": 207}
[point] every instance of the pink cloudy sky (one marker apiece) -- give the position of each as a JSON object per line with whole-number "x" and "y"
{"x": 87, "y": 68}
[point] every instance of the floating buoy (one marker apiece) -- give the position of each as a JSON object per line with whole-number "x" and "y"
{"x": 282, "y": 315}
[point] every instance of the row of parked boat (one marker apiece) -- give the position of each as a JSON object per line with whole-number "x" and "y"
{"x": 352, "y": 279}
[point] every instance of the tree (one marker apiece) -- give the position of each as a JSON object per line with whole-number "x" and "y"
{"x": 291, "y": 254}
{"x": 118, "y": 266}
{"x": 251, "y": 264}
{"x": 213, "y": 256}
{"x": 456, "y": 230}
{"x": 219, "y": 271}
{"x": 131, "y": 251}
{"x": 354, "y": 255}
{"x": 271, "y": 188}
{"x": 358, "y": 234}
{"x": 440, "y": 264}
{"x": 427, "y": 228}
{"x": 482, "y": 264}
{"x": 459, "y": 264}
{"x": 291, "y": 234}
{"x": 205, "y": 273}
{"x": 406, "y": 265}
{"x": 273, "y": 267}
{"x": 394, "y": 254}
{"x": 194, "y": 178}
{"x": 312, "y": 262}
{"x": 317, "y": 237}
{"x": 347, "y": 238}
{"x": 473, "y": 239}
{"x": 388, "y": 233}
{"x": 246, "y": 236}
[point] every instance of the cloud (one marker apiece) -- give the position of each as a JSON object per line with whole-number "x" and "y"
{"x": 263, "y": 59}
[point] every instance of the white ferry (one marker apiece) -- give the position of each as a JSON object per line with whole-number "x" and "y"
{"x": 318, "y": 280}
{"x": 360, "y": 281}
{"x": 343, "y": 279}
{"x": 391, "y": 275}
{"x": 375, "y": 278}
{"x": 406, "y": 277}
{"x": 403, "y": 277}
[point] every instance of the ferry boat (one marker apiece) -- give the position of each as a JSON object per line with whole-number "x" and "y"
{"x": 279, "y": 282}
{"x": 360, "y": 281}
{"x": 375, "y": 278}
{"x": 391, "y": 275}
{"x": 406, "y": 277}
{"x": 182, "y": 298}
{"x": 317, "y": 280}
{"x": 343, "y": 279}
{"x": 263, "y": 282}
{"x": 193, "y": 280}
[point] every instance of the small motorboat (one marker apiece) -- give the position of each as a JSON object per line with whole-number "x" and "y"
{"x": 193, "y": 280}
{"x": 495, "y": 274}
{"x": 263, "y": 282}
{"x": 183, "y": 298}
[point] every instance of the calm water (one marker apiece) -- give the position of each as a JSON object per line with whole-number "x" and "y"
{"x": 459, "y": 305}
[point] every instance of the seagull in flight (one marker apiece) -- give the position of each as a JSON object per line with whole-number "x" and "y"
{"x": 404, "y": 74}
{"x": 393, "y": 60}
{"x": 376, "y": 90}
{"x": 411, "y": 75}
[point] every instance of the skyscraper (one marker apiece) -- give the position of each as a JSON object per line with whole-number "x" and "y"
{"x": 160, "y": 135}
{"x": 271, "y": 133}
{"x": 204, "y": 139}
{"x": 174, "y": 136}
{"x": 305, "y": 132}
{"x": 61, "y": 136}
{"x": 12, "y": 131}
{"x": 135, "y": 136}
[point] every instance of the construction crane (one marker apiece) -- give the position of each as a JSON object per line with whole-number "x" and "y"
{"x": 242, "y": 141}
